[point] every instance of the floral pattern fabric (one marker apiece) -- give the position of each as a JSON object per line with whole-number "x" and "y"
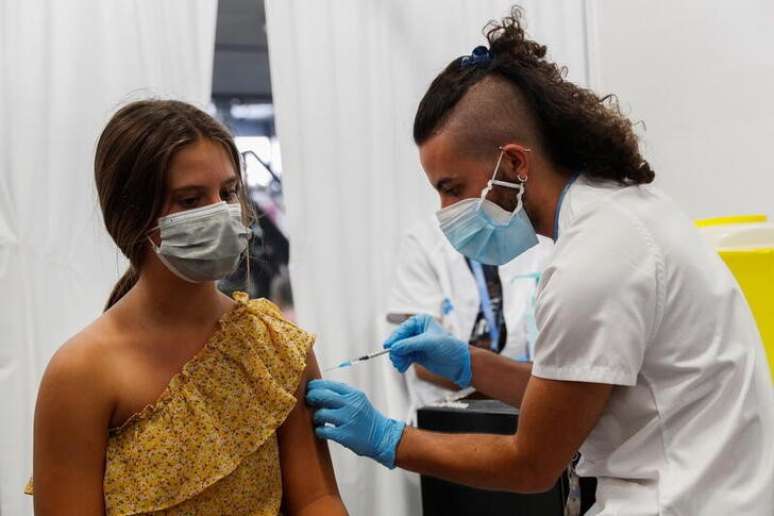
{"x": 208, "y": 445}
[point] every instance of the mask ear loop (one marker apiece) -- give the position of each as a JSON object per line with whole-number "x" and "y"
{"x": 519, "y": 194}
{"x": 148, "y": 237}
{"x": 492, "y": 181}
{"x": 516, "y": 186}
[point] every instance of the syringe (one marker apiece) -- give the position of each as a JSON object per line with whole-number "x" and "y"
{"x": 363, "y": 358}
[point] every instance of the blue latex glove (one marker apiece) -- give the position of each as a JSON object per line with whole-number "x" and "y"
{"x": 356, "y": 424}
{"x": 421, "y": 340}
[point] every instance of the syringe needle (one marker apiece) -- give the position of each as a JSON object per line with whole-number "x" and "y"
{"x": 346, "y": 363}
{"x": 362, "y": 358}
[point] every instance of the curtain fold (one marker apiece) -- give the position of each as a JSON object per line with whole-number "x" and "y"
{"x": 347, "y": 76}
{"x": 66, "y": 67}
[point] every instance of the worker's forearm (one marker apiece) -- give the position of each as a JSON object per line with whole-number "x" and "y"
{"x": 484, "y": 461}
{"x": 499, "y": 377}
{"x": 438, "y": 380}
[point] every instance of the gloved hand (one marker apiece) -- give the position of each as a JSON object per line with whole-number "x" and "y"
{"x": 356, "y": 424}
{"x": 421, "y": 340}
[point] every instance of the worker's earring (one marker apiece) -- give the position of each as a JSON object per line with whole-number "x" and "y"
{"x": 522, "y": 178}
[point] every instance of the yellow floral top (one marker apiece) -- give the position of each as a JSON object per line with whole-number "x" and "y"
{"x": 209, "y": 445}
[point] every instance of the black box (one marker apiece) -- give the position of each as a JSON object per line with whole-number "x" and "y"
{"x": 441, "y": 498}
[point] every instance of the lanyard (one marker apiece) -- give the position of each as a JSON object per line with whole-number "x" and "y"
{"x": 559, "y": 204}
{"x": 486, "y": 305}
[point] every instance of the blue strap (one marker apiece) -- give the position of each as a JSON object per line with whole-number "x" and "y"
{"x": 486, "y": 305}
{"x": 446, "y": 306}
{"x": 559, "y": 204}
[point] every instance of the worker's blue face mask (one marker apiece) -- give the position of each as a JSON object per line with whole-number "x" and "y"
{"x": 483, "y": 231}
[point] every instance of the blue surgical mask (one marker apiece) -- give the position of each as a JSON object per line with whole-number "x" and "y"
{"x": 483, "y": 231}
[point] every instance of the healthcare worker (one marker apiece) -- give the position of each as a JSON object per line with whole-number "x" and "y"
{"x": 487, "y": 306}
{"x": 647, "y": 360}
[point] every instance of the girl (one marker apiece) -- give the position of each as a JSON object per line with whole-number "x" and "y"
{"x": 178, "y": 399}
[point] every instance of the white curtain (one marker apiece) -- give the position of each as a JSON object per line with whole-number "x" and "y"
{"x": 66, "y": 66}
{"x": 699, "y": 73}
{"x": 346, "y": 78}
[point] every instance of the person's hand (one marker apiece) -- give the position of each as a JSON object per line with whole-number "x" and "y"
{"x": 421, "y": 340}
{"x": 353, "y": 421}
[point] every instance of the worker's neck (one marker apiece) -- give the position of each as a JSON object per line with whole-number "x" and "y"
{"x": 541, "y": 198}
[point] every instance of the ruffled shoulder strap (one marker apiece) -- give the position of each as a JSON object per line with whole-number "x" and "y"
{"x": 222, "y": 407}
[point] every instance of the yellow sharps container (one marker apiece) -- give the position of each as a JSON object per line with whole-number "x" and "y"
{"x": 746, "y": 244}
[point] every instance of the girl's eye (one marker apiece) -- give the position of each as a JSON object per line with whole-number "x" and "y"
{"x": 230, "y": 195}
{"x": 188, "y": 202}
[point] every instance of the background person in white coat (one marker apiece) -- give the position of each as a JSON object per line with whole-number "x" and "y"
{"x": 434, "y": 278}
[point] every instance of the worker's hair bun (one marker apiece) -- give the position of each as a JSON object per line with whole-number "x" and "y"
{"x": 507, "y": 38}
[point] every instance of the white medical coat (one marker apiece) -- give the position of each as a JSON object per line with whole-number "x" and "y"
{"x": 431, "y": 271}
{"x": 634, "y": 297}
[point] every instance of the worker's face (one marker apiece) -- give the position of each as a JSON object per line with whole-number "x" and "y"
{"x": 457, "y": 176}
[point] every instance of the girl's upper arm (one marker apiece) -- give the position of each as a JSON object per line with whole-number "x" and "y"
{"x": 308, "y": 480}
{"x": 70, "y": 436}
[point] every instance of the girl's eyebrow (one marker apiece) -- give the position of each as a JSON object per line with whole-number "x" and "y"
{"x": 193, "y": 188}
{"x": 188, "y": 189}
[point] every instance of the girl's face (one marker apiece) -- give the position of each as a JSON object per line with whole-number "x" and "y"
{"x": 199, "y": 175}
